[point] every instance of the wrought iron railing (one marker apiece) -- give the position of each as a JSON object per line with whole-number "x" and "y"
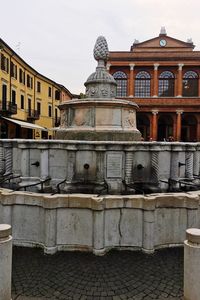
{"x": 32, "y": 114}
{"x": 8, "y": 108}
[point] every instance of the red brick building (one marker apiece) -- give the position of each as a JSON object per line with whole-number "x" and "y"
{"x": 162, "y": 75}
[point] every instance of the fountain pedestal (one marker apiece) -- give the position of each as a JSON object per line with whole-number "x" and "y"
{"x": 98, "y": 120}
{"x": 98, "y": 117}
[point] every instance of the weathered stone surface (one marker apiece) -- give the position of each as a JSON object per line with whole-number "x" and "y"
{"x": 90, "y": 135}
{"x": 64, "y": 222}
{"x": 5, "y": 261}
{"x": 192, "y": 264}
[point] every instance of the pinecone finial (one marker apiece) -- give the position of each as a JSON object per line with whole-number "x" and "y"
{"x": 101, "y": 51}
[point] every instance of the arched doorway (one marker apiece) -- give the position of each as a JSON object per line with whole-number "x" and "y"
{"x": 189, "y": 128}
{"x": 165, "y": 128}
{"x": 143, "y": 125}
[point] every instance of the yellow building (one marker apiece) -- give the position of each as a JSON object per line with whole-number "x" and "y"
{"x": 28, "y": 100}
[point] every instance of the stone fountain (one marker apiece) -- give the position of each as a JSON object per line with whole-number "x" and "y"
{"x": 97, "y": 186}
{"x": 100, "y": 116}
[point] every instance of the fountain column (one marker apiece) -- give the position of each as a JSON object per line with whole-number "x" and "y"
{"x": 25, "y": 161}
{"x": 129, "y": 164}
{"x": 154, "y": 149}
{"x": 196, "y": 161}
{"x": 100, "y": 149}
{"x": 50, "y": 231}
{"x": 148, "y": 231}
{"x": 175, "y": 166}
{"x": 8, "y": 157}
{"x": 44, "y": 162}
{"x": 71, "y": 163}
{"x": 2, "y": 160}
{"x": 189, "y": 161}
{"x": 98, "y": 226}
{"x": 5, "y": 261}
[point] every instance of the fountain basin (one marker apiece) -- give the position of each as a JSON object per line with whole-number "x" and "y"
{"x": 98, "y": 224}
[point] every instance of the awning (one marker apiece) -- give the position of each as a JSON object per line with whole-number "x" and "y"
{"x": 54, "y": 128}
{"x": 25, "y": 124}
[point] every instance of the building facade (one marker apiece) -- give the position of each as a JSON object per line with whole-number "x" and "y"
{"x": 162, "y": 75}
{"x": 28, "y": 100}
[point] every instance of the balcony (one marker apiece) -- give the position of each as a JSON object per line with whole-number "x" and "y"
{"x": 8, "y": 108}
{"x": 32, "y": 114}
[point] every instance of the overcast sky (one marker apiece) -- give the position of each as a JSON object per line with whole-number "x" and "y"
{"x": 56, "y": 37}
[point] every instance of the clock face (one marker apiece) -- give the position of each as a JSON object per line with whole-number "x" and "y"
{"x": 163, "y": 43}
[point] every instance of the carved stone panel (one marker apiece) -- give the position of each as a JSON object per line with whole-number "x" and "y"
{"x": 129, "y": 119}
{"x": 114, "y": 165}
{"x": 108, "y": 116}
{"x": 63, "y": 118}
{"x": 81, "y": 117}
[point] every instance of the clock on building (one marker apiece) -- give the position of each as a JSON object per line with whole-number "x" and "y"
{"x": 163, "y": 43}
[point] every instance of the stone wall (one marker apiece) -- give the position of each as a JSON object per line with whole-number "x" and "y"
{"x": 92, "y": 223}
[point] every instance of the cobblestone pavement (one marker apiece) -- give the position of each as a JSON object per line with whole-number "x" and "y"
{"x": 117, "y": 275}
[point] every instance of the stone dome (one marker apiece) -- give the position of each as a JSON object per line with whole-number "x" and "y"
{"x": 100, "y": 75}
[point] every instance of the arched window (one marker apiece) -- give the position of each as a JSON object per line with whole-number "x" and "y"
{"x": 121, "y": 79}
{"x": 166, "y": 84}
{"x": 143, "y": 84}
{"x": 190, "y": 84}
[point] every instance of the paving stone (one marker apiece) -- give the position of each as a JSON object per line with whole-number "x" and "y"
{"x": 83, "y": 276}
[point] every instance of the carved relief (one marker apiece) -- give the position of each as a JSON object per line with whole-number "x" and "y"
{"x": 91, "y": 91}
{"x": 63, "y": 120}
{"x": 112, "y": 93}
{"x": 104, "y": 92}
{"x": 130, "y": 119}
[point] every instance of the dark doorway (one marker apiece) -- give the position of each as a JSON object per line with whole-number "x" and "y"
{"x": 4, "y": 130}
{"x": 143, "y": 125}
{"x": 165, "y": 128}
{"x": 189, "y": 129}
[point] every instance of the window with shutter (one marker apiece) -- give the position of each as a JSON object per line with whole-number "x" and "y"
{"x": 12, "y": 69}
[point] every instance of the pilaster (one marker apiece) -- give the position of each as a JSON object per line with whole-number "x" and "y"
{"x": 180, "y": 80}
{"x": 155, "y": 80}
{"x": 154, "y": 125}
{"x": 132, "y": 81}
{"x": 178, "y": 125}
